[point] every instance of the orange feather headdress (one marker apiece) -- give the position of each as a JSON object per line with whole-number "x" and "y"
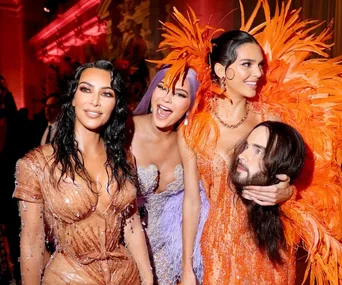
{"x": 303, "y": 92}
{"x": 189, "y": 46}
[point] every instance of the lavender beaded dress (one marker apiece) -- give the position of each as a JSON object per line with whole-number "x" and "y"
{"x": 163, "y": 223}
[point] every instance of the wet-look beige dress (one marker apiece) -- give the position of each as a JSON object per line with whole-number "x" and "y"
{"x": 89, "y": 239}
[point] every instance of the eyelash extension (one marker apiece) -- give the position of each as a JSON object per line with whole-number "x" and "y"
{"x": 181, "y": 95}
{"x": 108, "y": 94}
{"x": 84, "y": 89}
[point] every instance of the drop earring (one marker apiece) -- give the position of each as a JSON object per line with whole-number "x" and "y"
{"x": 222, "y": 82}
{"x": 186, "y": 121}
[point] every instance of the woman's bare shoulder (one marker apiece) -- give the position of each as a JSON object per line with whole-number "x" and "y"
{"x": 47, "y": 150}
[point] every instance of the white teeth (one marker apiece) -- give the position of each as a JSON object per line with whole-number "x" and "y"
{"x": 160, "y": 114}
{"x": 251, "y": 83}
{"x": 164, "y": 108}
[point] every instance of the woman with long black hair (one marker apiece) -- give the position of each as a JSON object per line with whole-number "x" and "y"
{"x": 84, "y": 186}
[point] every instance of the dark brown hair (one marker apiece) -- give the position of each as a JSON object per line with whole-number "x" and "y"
{"x": 284, "y": 154}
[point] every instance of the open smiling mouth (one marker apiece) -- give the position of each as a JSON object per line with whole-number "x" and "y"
{"x": 163, "y": 112}
{"x": 252, "y": 84}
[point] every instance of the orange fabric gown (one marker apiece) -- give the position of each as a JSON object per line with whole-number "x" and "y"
{"x": 230, "y": 254}
{"x": 88, "y": 240}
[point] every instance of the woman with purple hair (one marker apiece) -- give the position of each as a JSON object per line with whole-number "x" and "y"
{"x": 160, "y": 171}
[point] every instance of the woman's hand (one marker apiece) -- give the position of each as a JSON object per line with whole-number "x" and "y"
{"x": 270, "y": 195}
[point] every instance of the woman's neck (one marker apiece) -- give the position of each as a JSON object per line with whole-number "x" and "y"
{"x": 159, "y": 133}
{"x": 89, "y": 142}
{"x": 231, "y": 110}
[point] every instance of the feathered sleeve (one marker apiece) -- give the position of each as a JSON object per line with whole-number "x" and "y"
{"x": 307, "y": 94}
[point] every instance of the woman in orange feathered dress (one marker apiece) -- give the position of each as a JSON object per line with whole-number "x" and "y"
{"x": 299, "y": 91}
{"x": 230, "y": 253}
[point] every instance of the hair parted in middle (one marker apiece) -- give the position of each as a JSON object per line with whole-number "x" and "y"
{"x": 68, "y": 158}
{"x": 284, "y": 154}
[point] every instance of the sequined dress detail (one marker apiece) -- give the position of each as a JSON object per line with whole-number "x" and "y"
{"x": 163, "y": 222}
{"x": 88, "y": 241}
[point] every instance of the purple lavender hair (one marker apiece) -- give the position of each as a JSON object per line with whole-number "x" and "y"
{"x": 145, "y": 103}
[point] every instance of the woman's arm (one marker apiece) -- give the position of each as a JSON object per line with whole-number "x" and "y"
{"x": 191, "y": 208}
{"x": 32, "y": 242}
{"x": 136, "y": 243}
{"x": 270, "y": 195}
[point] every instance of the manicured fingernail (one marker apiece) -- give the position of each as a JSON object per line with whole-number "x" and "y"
{"x": 247, "y": 197}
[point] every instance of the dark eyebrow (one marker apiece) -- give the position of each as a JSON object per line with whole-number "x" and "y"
{"x": 247, "y": 59}
{"x": 259, "y": 146}
{"x": 107, "y": 87}
{"x": 87, "y": 83}
{"x": 91, "y": 85}
{"x": 251, "y": 60}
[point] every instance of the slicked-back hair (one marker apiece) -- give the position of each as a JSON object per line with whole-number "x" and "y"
{"x": 284, "y": 154}
{"x": 225, "y": 46}
{"x": 68, "y": 158}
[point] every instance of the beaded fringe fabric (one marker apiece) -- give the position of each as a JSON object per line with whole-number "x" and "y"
{"x": 163, "y": 221}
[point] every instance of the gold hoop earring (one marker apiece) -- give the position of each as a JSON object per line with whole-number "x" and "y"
{"x": 233, "y": 73}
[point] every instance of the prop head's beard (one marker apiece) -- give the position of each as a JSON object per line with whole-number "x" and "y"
{"x": 239, "y": 180}
{"x": 264, "y": 221}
